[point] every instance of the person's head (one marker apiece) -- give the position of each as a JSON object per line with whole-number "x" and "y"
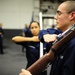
{"x": 1, "y": 25}
{"x": 53, "y": 26}
{"x": 34, "y": 28}
{"x": 65, "y": 15}
{"x": 26, "y": 25}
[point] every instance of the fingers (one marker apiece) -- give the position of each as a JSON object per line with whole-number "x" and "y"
{"x": 21, "y": 72}
{"x": 49, "y": 38}
{"x": 25, "y": 72}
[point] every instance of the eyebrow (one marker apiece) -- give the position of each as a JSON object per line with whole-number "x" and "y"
{"x": 58, "y": 11}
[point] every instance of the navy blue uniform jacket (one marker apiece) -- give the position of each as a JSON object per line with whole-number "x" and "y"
{"x": 32, "y": 49}
{"x": 64, "y": 63}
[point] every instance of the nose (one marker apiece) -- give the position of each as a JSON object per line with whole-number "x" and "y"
{"x": 55, "y": 17}
{"x": 34, "y": 29}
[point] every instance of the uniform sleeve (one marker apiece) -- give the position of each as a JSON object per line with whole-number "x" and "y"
{"x": 48, "y": 31}
{"x": 40, "y": 36}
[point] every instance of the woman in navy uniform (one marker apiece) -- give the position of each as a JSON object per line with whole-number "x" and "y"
{"x": 31, "y": 44}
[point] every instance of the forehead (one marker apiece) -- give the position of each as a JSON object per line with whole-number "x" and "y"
{"x": 34, "y": 24}
{"x": 62, "y": 7}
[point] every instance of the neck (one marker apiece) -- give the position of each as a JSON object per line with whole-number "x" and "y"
{"x": 67, "y": 27}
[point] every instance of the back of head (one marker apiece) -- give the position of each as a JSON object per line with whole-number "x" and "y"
{"x": 70, "y": 6}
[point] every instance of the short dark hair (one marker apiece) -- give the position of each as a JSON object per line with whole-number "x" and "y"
{"x": 34, "y": 22}
{"x": 70, "y": 6}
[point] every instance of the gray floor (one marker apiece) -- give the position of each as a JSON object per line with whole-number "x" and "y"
{"x": 13, "y": 59}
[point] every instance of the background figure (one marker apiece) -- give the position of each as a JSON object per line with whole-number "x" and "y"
{"x": 53, "y": 26}
{"x": 25, "y": 30}
{"x": 1, "y": 39}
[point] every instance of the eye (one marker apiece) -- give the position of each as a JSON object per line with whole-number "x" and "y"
{"x": 31, "y": 27}
{"x": 59, "y": 13}
{"x": 36, "y": 27}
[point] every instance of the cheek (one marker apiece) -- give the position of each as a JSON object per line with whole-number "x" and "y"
{"x": 60, "y": 23}
{"x": 63, "y": 20}
{"x": 38, "y": 30}
{"x": 32, "y": 31}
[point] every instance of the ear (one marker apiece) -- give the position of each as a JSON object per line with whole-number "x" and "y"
{"x": 72, "y": 15}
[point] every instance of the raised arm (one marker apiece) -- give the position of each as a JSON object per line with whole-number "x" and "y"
{"x": 25, "y": 39}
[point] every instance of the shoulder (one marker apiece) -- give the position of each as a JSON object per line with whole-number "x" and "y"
{"x": 54, "y": 31}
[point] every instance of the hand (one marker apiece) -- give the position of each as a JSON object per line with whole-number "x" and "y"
{"x": 35, "y": 39}
{"x": 49, "y": 37}
{"x": 16, "y": 38}
{"x": 25, "y": 72}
